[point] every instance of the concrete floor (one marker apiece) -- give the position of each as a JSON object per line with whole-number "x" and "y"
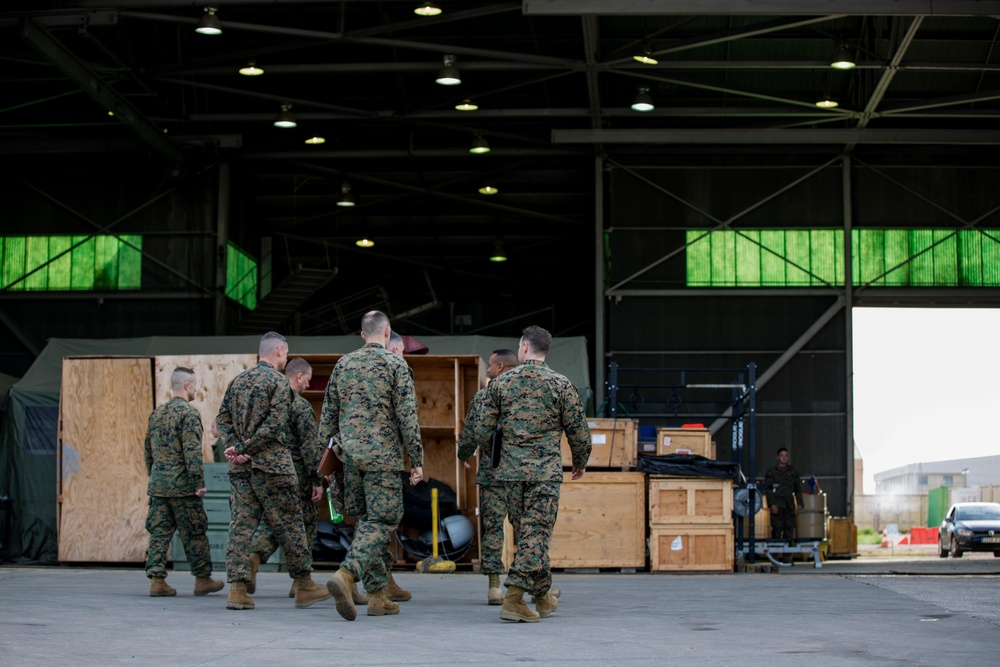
{"x": 914, "y": 611}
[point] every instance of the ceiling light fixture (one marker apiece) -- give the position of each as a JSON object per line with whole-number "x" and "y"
{"x": 427, "y": 9}
{"x": 251, "y": 69}
{"x": 285, "y": 117}
{"x": 498, "y": 254}
{"x": 209, "y": 23}
{"x": 488, "y": 189}
{"x": 448, "y": 75}
{"x": 827, "y": 102}
{"x": 643, "y": 102}
{"x": 346, "y": 198}
{"x": 315, "y": 141}
{"x": 843, "y": 58}
{"x": 646, "y": 57}
{"x": 466, "y": 105}
{"x": 364, "y": 242}
{"x": 479, "y": 145}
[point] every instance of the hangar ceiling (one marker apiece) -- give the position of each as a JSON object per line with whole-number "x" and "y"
{"x": 735, "y": 82}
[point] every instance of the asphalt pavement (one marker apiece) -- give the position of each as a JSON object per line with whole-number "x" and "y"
{"x": 872, "y": 610}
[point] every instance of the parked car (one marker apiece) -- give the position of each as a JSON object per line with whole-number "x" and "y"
{"x": 970, "y": 527}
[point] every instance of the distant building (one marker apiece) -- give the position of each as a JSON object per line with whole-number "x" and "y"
{"x": 919, "y": 478}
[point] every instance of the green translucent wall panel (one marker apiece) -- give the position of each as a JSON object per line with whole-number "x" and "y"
{"x": 53, "y": 263}
{"x": 881, "y": 257}
{"x": 241, "y": 277}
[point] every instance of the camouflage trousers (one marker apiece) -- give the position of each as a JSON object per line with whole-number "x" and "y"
{"x": 275, "y": 498}
{"x": 532, "y": 508}
{"x": 186, "y": 515}
{"x": 350, "y": 500}
{"x": 380, "y": 496}
{"x": 783, "y": 523}
{"x": 266, "y": 543}
{"x": 492, "y": 511}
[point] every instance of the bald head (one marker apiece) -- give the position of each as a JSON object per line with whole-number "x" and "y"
{"x": 273, "y": 349}
{"x": 375, "y": 328}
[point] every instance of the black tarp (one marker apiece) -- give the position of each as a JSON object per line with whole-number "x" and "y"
{"x": 688, "y": 465}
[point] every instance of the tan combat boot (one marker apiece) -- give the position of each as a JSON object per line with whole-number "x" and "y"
{"x": 158, "y": 588}
{"x": 395, "y": 593}
{"x": 238, "y": 598}
{"x": 206, "y": 585}
{"x": 553, "y": 591}
{"x": 514, "y": 608}
{"x": 307, "y": 593}
{"x": 494, "y": 595}
{"x": 358, "y": 596}
{"x": 546, "y": 604}
{"x": 379, "y": 604}
{"x": 254, "y": 566}
{"x": 340, "y": 586}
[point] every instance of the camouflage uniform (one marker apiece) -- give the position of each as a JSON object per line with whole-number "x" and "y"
{"x": 303, "y": 443}
{"x": 174, "y": 466}
{"x": 254, "y": 415}
{"x": 492, "y": 492}
{"x": 370, "y": 403}
{"x": 218, "y": 450}
{"x": 784, "y": 491}
{"x": 534, "y": 404}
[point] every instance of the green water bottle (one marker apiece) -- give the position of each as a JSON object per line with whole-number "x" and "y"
{"x": 335, "y": 516}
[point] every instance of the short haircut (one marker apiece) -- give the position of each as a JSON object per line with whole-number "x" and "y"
{"x": 506, "y": 357}
{"x": 538, "y": 339}
{"x": 374, "y": 322}
{"x": 781, "y": 449}
{"x": 395, "y": 338}
{"x": 270, "y": 343}
{"x": 296, "y": 366}
{"x": 180, "y": 375}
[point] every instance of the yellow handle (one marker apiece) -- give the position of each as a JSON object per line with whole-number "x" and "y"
{"x": 434, "y": 522}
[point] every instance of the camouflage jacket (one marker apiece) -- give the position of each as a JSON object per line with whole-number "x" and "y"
{"x": 781, "y": 486}
{"x": 467, "y": 443}
{"x": 534, "y": 404}
{"x": 371, "y": 405}
{"x": 173, "y": 450}
{"x": 304, "y": 443}
{"x": 254, "y": 418}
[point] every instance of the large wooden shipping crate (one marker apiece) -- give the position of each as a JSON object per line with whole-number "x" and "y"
{"x": 104, "y": 409}
{"x": 614, "y": 444}
{"x": 601, "y": 522}
{"x": 691, "y": 548}
{"x": 700, "y": 500}
{"x": 696, "y": 441}
{"x": 842, "y": 535}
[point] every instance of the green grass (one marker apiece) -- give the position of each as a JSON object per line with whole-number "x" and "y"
{"x": 869, "y": 536}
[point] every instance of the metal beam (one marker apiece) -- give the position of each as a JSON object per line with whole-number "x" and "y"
{"x": 787, "y": 355}
{"x": 753, "y": 136}
{"x": 847, "y": 203}
{"x": 91, "y": 82}
{"x": 971, "y": 98}
{"x": 763, "y": 7}
{"x": 591, "y": 45}
{"x": 599, "y": 298}
{"x": 882, "y": 87}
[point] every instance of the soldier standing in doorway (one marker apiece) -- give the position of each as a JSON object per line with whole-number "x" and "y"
{"x": 784, "y": 495}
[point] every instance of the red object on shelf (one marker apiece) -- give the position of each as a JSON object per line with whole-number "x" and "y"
{"x": 692, "y": 426}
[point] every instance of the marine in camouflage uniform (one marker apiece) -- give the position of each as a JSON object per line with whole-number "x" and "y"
{"x": 492, "y": 491}
{"x": 254, "y": 419}
{"x": 534, "y": 405}
{"x": 370, "y": 404}
{"x": 306, "y": 449}
{"x": 173, "y": 456}
{"x": 783, "y": 489}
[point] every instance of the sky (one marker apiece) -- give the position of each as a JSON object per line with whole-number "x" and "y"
{"x": 926, "y": 385}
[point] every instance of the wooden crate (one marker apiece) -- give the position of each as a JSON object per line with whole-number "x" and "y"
{"x": 696, "y": 441}
{"x": 842, "y": 535}
{"x": 614, "y": 444}
{"x": 761, "y": 524}
{"x": 694, "y": 500}
{"x": 601, "y": 522}
{"x": 691, "y": 548}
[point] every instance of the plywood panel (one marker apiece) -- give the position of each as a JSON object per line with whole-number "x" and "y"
{"x": 696, "y": 441}
{"x": 674, "y": 500}
{"x": 614, "y": 444}
{"x": 214, "y": 373}
{"x": 104, "y": 409}
{"x": 601, "y": 522}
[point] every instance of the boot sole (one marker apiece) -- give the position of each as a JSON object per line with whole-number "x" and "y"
{"x": 345, "y": 602}
{"x": 514, "y": 616}
{"x": 397, "y": 598}
{"x": 162, "y": 595}
{"x": 494, "y": 603}
{"x": 308, "y": 603}
{"x": 383, "y": 612}
{"x": 238, "y": 607}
